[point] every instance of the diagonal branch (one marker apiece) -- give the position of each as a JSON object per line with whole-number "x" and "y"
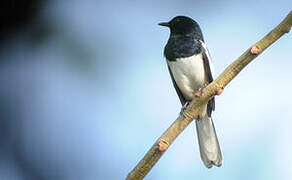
{"x": 163, "y": 142}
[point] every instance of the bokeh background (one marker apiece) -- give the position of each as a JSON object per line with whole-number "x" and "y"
{"x": 85, "y": 90}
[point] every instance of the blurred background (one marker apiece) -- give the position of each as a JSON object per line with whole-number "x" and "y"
{"x": 85, "y": 90}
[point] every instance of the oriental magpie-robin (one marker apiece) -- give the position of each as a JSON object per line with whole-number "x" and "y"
{"x": 190, "y": 68}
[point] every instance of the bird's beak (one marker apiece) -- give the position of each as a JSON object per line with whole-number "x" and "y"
{"x": 164, "y": 24}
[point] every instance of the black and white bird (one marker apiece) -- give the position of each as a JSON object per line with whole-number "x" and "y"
{"x": 190, "y": 68}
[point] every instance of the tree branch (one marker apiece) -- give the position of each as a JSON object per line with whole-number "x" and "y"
{"x": 166, "y": 139}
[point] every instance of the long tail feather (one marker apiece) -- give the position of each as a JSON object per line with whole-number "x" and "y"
{"x": 208, "y": 142}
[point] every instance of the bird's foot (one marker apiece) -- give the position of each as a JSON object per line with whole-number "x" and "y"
{"x": 182, "y": 111}
{"x": 200, "y": 92}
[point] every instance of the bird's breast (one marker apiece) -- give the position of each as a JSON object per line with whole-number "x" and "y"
{"x": 189, "y": 74}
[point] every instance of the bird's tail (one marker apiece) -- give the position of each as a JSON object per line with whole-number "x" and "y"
{"x": 208, "y": 142}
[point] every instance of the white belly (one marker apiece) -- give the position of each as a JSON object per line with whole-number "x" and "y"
{"x": 189, "y": 74}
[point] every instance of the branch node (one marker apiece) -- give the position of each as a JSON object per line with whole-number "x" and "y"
{"x": 255, "y": 50}
{"x": 162, "y": 145}
{"x": 219, "y": 90}
{"x": 198, "y": 94}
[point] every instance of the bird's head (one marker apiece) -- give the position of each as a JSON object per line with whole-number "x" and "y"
{"x": 182, "y": 25}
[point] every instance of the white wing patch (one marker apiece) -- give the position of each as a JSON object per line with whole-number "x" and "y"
{"x": 209, "y": 57}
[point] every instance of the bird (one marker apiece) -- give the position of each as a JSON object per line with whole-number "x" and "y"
{"x": 191, "y": 70}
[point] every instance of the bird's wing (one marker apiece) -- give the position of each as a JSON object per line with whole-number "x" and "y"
{"x": 179, "y": 93}
{"x": 207, "y": 63}
{"x": 209, "y": 74}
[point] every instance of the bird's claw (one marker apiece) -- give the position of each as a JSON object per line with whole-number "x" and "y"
{"x": 182, "y": 112}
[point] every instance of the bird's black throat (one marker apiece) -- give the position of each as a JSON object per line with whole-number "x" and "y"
{"x": 180, "y": 46}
